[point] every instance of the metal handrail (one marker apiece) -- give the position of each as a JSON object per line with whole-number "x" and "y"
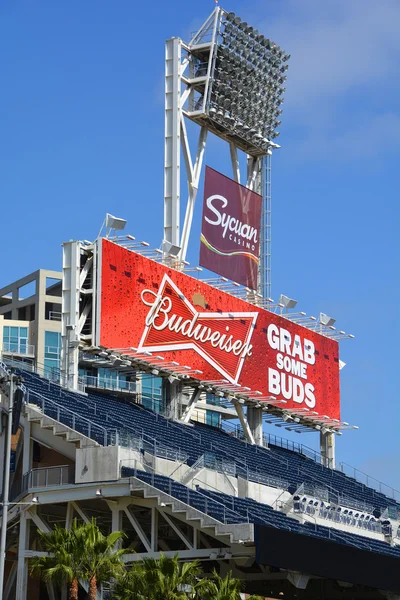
{"x": 102, "y": 383}
{"x": 54, "y": 315}
{"x": 206, "y": 498}
{"x": 75, "y": 416}
{"x": 395, "y": 493}
{"x": 282, "y": 442}
{"x": 43, "y": 477}
{"x": 18, "y": 348}
{"x": 356, "y": 474}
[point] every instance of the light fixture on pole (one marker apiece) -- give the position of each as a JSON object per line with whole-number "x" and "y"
{"x": 325, "y": 320}
{"x": 286, "y": 302}
{"x": 170, "y": 249}
{"x": 112, "y": 223}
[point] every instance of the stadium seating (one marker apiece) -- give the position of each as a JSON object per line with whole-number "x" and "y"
{"x": 275, "y": 466}
{"x": 229, "y": 509}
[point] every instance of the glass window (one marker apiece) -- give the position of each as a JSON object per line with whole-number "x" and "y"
{"x": 15, "y": 339}
{"x": 213, "y": 418}
{"x": 52, "y": 352}
{"x": 213, "y": 399}
{"x": 152, "y": 393}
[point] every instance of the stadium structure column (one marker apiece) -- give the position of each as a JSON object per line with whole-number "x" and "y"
{"x": 23, "y": 544}
{"x": 172, "y": 152}
{"x": 327, "y": 448}
{"x": 27, "y": 447}
{"x": 70, "y": 313}
{"x": 78, "y": 306}
{"x": 254, "y": 419}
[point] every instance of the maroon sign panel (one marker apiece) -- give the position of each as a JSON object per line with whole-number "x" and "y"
{"x": 230, "y": 231}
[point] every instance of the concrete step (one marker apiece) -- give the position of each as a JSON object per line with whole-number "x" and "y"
{"x": 35, "y": 415}
{"x": 243, "y": 532}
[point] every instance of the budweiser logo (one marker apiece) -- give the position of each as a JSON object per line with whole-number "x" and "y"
{"x": 172, "y": 323}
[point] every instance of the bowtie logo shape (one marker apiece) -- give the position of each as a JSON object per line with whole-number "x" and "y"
{"x": 173, "y": 324}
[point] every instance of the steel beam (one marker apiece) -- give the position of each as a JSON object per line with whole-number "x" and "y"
{"x": 172, "y": 149}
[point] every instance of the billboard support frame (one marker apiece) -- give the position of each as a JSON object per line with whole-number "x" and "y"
{"x": 78, "y": 306}
{"x": 180, "y": 105}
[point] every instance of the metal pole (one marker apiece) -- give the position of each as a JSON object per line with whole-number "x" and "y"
{"x": 265, "y": 246}
{"x": 6, "y": 486}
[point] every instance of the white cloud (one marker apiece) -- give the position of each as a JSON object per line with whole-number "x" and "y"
{"x": 343, "y": 74}
{"x": 367, "y": 138}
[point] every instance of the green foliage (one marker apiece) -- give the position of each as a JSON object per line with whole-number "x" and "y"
{"x": 223, "y": 588}
{"x": 159, "y": 579}
{"x": 100, "y": 559}
{"x": 168, "y": 579}
{"x": 62, "y": 566}
{"x": 79, "y": 553}
{"x": 84, "y": 553}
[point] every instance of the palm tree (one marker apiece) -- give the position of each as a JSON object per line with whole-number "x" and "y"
{"x": 160, "y": 579}
{"x": 223, "y": 588}
{"x": 131, "y": 585}
{"x": 79, "y": 553}
{"x": 62, "y": 566}
{"x": 100, "y": 557}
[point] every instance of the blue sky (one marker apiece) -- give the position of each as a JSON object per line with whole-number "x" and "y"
{"x": 81, "y": 122}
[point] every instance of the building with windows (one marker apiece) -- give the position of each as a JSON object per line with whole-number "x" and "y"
{"x": 30, "y": 321}
{"x": 30, "y": 337}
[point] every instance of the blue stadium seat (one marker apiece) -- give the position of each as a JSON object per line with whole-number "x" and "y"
{"x": 108, "y": 416}
{"x": 229, "y": 509}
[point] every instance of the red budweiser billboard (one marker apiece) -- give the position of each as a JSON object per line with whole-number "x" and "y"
{"x": 230, "y": 230}
{"x": 146, "y": 305}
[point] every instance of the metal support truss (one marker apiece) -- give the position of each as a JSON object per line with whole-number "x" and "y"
{"x": 327, "y": 449}
{"x": 78, "y": 305}
{"x": 189, "y": 72}
{"x": 243, "y": 421}
{"x": 265, "y": 246}
{"x": 176, "y": 140}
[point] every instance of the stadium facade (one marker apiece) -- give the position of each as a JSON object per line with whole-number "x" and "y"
{"x": 134, "y": 392}
{"x": 264, "y": 507}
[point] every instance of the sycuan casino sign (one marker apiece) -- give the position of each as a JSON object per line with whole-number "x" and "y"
{"x": 149, "y": 306}
{"x": 230, "y": 231}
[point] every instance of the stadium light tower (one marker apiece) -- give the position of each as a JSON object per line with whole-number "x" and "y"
{"x": 229, "y": 79}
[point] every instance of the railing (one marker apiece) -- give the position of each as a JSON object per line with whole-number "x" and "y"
{"x": 4, "y": 368}
{"x": 235, "y": 430}
{"x": 104, "y": 436}
{"x": 19, "y": 348}
{"x": 127, "y": 436}
{"x": 109, "y": 384}
{"x": 54, "y": 315}
{"x": 208, "y": 502}
{"x": 359, "y": 476}
{"x": 337, "y": 514}
{"x": 369, "y": 481}
{"x": 43, "y": 477}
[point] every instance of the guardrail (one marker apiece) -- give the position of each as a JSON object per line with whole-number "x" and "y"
{"x": 19, "y": 348}
{"x": 108, "y": 384}
{"x": 346, "y": 469}
{"x": 208, "y": 502}
{"x": 41, "y": 478}
{"x": 369, "y": 481}
{"x": 309, "y": 453}
{"x": 54, "y": 315}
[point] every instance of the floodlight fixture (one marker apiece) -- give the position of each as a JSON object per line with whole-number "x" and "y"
{"x": 287, "y": 302}
{"x": 170, "y": 249}
{"x": 115, "y": 222}
{"x": 325, "y": 320}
